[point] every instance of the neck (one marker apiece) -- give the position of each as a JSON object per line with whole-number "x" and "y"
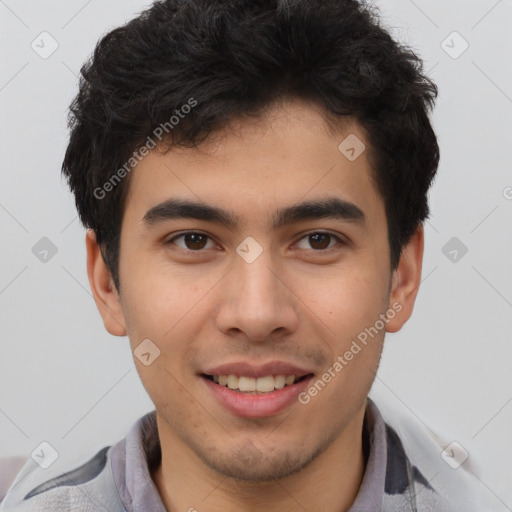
{"x": 328, "y": 483}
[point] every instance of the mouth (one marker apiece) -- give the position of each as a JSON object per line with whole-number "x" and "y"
{"x": 260, "y": 396}
{"x": 255, "y": 386}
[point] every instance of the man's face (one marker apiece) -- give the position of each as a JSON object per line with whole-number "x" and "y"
{"x": 256, "y": 299}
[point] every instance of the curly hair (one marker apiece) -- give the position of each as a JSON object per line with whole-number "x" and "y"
{"x": 236, "y": 57}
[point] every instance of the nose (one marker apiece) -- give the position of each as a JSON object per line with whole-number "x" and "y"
{"x": 257, "y": 300}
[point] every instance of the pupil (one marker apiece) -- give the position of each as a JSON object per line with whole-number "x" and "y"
{"x": 315, "y": 238}
{"x": 195, "y": 241}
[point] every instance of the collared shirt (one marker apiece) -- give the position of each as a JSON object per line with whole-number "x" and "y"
{"x": 118, "y": 478}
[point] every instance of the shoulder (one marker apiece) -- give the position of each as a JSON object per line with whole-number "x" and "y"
{"x": 423, "y": 470}
{"x": 86, "y": 486}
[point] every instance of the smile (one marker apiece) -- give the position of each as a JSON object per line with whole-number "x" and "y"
{"x": 255, "y": 397}
{"x": 252, "y": 385}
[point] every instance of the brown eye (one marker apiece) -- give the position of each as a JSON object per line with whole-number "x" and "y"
{"x": 191, "y": 241}
{"x": 320, "y": 241}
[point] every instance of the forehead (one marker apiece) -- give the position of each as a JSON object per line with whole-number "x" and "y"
{"x": 259, "y": 164}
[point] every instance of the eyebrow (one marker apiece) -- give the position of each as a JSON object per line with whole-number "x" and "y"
{"x": 334, "y": 208}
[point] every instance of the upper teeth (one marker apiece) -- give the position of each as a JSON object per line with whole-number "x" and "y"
{"x": 263, "y": 384}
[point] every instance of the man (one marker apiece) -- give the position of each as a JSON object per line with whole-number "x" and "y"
{"x": 253, "y": 176}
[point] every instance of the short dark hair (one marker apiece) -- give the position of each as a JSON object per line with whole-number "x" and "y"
{"x": 227, "y": 58}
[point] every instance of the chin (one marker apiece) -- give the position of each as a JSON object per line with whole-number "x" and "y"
{"x": 250, "y": 464}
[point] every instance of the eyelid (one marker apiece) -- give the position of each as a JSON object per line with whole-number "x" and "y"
{"x": 174, "y": 236}
{"x": 341, "y": 239}
{"x": 186, "y": 232}
{"x": 338, "y": 236}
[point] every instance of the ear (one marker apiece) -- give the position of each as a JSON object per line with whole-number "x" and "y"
{"x": 103, "y": 290}
{"x": 406, "y": 281}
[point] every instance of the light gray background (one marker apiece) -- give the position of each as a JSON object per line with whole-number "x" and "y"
{"x": 65, "y": 380}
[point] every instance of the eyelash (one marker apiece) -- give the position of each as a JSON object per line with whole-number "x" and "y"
{"x": 328, "y": 250}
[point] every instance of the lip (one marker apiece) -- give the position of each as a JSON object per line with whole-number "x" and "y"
{"x": 256, "y": 406}
{"x": 256, "y": 371}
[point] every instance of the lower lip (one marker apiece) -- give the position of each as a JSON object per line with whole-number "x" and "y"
{"x": 257, "y": 406}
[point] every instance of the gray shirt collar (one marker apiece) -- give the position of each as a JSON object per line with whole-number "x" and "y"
{"x": 134, "y": 457}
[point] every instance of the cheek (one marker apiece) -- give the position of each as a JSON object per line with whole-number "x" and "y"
{"x": 355, "y": 339}
{"x": 166, "y": 309}
{"x": 157, "y": 299}
{"x": 347, "y": 302}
